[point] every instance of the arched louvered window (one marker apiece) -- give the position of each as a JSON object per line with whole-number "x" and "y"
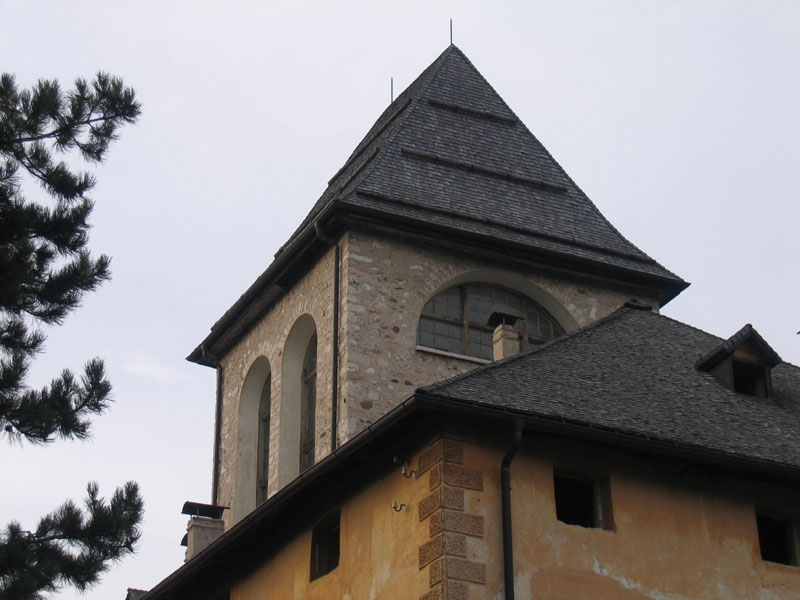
{"x": 457, "y": 320}
{"x": 308, "y": 404}
{"x": 263, "y": 440}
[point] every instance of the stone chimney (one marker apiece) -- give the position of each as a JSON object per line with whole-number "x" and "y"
{"x": 204, "y": 527}
{"x": 505, "y": 340}
{"x": 200, "y": 533}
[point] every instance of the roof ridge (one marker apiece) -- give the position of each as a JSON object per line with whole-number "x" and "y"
{"x": 394, "y": 120}
{"x": 564, "y": 172}
{"x": 567, "y": 175}
{"x": 567, "y": 336}
{"x": 628, "y": 249}
{"x": 412, "y": 103}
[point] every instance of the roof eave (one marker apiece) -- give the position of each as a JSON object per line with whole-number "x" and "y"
{"x": 667, "y": 287}
{"x": 264, "y": 290}
{"x": 222, "y": 551}
{"x": 261, "y": 293}
{"x": 229, "y": 559}
{"x": 556, "y": 425}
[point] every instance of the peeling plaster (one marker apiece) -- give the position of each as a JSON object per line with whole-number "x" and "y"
{"x": 654, "y": 594}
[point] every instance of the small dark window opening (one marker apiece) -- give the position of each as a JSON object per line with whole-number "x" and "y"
{"x": 325, "y": 546}
{"x": 575, "y": 501}
{"x": 749, "y": 378}
{"x": 776, "y": 539}
{"x": 582, "y": 501}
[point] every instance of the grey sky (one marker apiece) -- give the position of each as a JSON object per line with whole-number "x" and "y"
{"x": 678, "y": 119}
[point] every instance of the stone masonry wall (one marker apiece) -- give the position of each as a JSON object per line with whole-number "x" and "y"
{"x": 312, "y": 294}
{"x": 386, "y": 282}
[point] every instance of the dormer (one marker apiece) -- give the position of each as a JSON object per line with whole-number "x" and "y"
{"x": 743, "y": 363}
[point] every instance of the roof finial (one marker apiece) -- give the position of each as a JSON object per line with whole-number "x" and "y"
{"x": 451, "y": 32}
{"x": 391, "y": 89}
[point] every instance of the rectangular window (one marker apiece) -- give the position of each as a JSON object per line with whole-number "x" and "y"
{"x": 749, "y": 378}
{"x": 582, "y": 501}
{"x": 776, "y": 538}
{"x": 325, "y": 546}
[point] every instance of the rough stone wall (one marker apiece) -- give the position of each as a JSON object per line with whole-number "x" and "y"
{"x": 386, "y": 282}
{"x": 312, "y": 294}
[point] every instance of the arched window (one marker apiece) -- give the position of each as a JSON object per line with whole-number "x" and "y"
{"x": 298, "y": 400}
{"x": 263, "y": 440}
{"x": 308, "y": 404}
{"x": 458, "y": 320}
{"x": 252, "y": 439}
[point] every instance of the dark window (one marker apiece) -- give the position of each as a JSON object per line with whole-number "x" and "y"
{"x": 263, "y": 440}
{"x": 325, "y": 546}
{"x": 457, "y": 320}
{"x": 308, "y": 404}
{"x": 749, "y": 378}
{"x": 582, "y": 501}
{"x": 776, "y": 539}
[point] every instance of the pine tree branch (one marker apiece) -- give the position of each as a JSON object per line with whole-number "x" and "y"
{"x": 70, "y": 546}
{"x": 62, "y": 409}
{"x": 55, "y": 132}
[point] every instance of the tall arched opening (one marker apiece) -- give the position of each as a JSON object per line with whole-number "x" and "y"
{"x": 252, "y": 438}
{"x": 298, "y": 400}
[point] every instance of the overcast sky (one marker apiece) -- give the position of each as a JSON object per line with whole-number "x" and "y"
{"x": 678, "y": 119}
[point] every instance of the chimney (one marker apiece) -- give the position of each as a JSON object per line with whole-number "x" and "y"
{"x": 200, "y": 533}
{"x": 505, "y": 340}
{"x": 204, "y": 527}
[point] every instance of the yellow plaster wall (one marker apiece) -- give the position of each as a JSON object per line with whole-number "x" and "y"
{"x": 675, "y": 537}
{"x": 378, "y": 551}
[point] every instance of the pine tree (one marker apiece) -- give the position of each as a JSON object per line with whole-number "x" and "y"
{"x": 45, "y": 269}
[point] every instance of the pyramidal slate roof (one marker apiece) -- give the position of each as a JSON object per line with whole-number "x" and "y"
{"x": 634, "y": 373}
{"x": 449, "y": 153}
{"x": 450, "y": 159}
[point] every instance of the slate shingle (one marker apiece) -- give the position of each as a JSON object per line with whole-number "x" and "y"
{"x": 450, "y": 146}
{"x": 635, "y": 372}
{"x": 448, "y": 157}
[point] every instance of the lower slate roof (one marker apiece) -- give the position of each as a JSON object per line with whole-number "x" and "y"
{"x": 627, "y": 381}
{"x": 634, "y": 374}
